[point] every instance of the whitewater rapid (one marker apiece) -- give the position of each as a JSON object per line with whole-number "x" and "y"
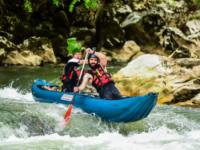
{"x": 161, "y": 139}
{"x": 167, "y": 127}
{"x": 15, "y": 94}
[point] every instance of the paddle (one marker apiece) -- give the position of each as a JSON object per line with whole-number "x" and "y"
{"x": 67, "y": 115}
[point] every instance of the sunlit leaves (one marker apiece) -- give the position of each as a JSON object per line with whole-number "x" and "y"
{"x": 73, "y": 46}
{"x": 28, "y": 6}
{"x": 72, "y": 4}
{"x": 198, "y": 3}
{"x": 90, "y": 4}
{"x": 56, "y": 2}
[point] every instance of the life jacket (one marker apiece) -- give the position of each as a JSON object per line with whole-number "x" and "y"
{"x": 100, "y": 77}
{"x": 71, "y": 73}
{"x": 70, "y": 76}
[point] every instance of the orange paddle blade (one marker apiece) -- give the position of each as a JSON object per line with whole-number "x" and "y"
{"x": 68, "y": 114}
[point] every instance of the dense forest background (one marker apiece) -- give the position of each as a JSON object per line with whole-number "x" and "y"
{"x": 96, "y": 23}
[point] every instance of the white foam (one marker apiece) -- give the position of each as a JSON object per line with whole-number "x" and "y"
{"x": 195, "y": 135}
{"x": 15, "y": 94}
{"x": 161, "y": 139}
{"x": 7, "y": 131}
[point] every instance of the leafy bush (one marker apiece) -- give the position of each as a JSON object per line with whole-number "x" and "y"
{"x": 72, "y": 4}
{"x": 89, "y": 4}
{"x": 56, "y": 2}
{"x": 28, "y": 6}
{"x": 197, "y": 2}
{"x": 73, "y": 45}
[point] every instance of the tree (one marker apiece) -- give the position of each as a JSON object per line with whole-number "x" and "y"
{"x": 89, "y": 4}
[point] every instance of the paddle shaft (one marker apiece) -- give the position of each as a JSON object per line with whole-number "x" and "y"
{"x": 82, "y": 69}
{"x": 79, "y": 79}
{"x": 69, "y": 110}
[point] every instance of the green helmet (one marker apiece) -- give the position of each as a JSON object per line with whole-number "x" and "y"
{"x": 73, "y": 46}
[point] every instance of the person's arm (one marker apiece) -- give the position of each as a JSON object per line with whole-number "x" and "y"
{"x": 102, "y": 57}
{"x": 86, "y": 79}
{"x": 103, "y": 60}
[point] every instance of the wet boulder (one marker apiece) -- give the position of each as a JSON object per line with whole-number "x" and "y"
{"x": 140, "y": 75}
{"x": 146, "y": 65}
{"x": 47, "y": 54}
{"x": 59, "y": 46}
{"x": 85, "y": 35}
{"x": 176, "y": 43}
{"x": 7, "y": 44}
{"x": 181, "y": 52}
{"x": 193, "y": 29}
{"x": 22, "y": 58}
{"x": 124, "y": 54}
{"x": 41, "y": 47}
{"x": 175, "y": 82}
{"x": 2, "y": 54}
{"x": 188, "y": 62}
{"x": 109, "y": 33}
{"x": 196, "y": 100}
{"x": 32, "y": 52}
{"x": 185, "y": 94}
{"x": 142, "y": 28}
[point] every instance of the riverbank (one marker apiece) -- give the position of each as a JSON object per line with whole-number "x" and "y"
{"x": 175, "y": 83}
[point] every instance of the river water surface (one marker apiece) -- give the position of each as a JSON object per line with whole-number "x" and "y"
{"x": 29, "y": 125}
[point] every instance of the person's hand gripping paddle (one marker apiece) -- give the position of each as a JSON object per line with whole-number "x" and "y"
{"x": 67, "y": 115}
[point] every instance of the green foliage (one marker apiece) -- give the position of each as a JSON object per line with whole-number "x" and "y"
{"x": 197, "y": 2}
{"x": 90, "y": 4}
{"x": 72, "y": 4}
{"x": 56, "y": 2}
{"x": 172, "y": 3}
{"x": 73, "y": 45}
{"x": 28, "y": 6}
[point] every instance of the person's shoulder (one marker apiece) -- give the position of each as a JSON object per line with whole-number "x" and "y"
{"x": 100, "y": 54}
{"x": 73, "y": 60}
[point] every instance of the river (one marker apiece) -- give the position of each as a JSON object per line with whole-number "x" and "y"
{"x": 29, "y": 125}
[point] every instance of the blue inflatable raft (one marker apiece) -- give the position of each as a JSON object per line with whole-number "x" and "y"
{"x": 127, "y": 109}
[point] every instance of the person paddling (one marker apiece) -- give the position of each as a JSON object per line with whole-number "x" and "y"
{"x": 102, "y": 58}
{"x": 100, "y": 79}
{"x": 71, "y": 70}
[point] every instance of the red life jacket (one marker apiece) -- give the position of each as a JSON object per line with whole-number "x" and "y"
{"x": 70, "y": 76}
{"x": 100, "y": 77}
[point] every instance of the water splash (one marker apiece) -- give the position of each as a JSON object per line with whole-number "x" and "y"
{"x": 15, "y": 94}
{"x": 161, "y": 139}
{"x": 38, "y": 125}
